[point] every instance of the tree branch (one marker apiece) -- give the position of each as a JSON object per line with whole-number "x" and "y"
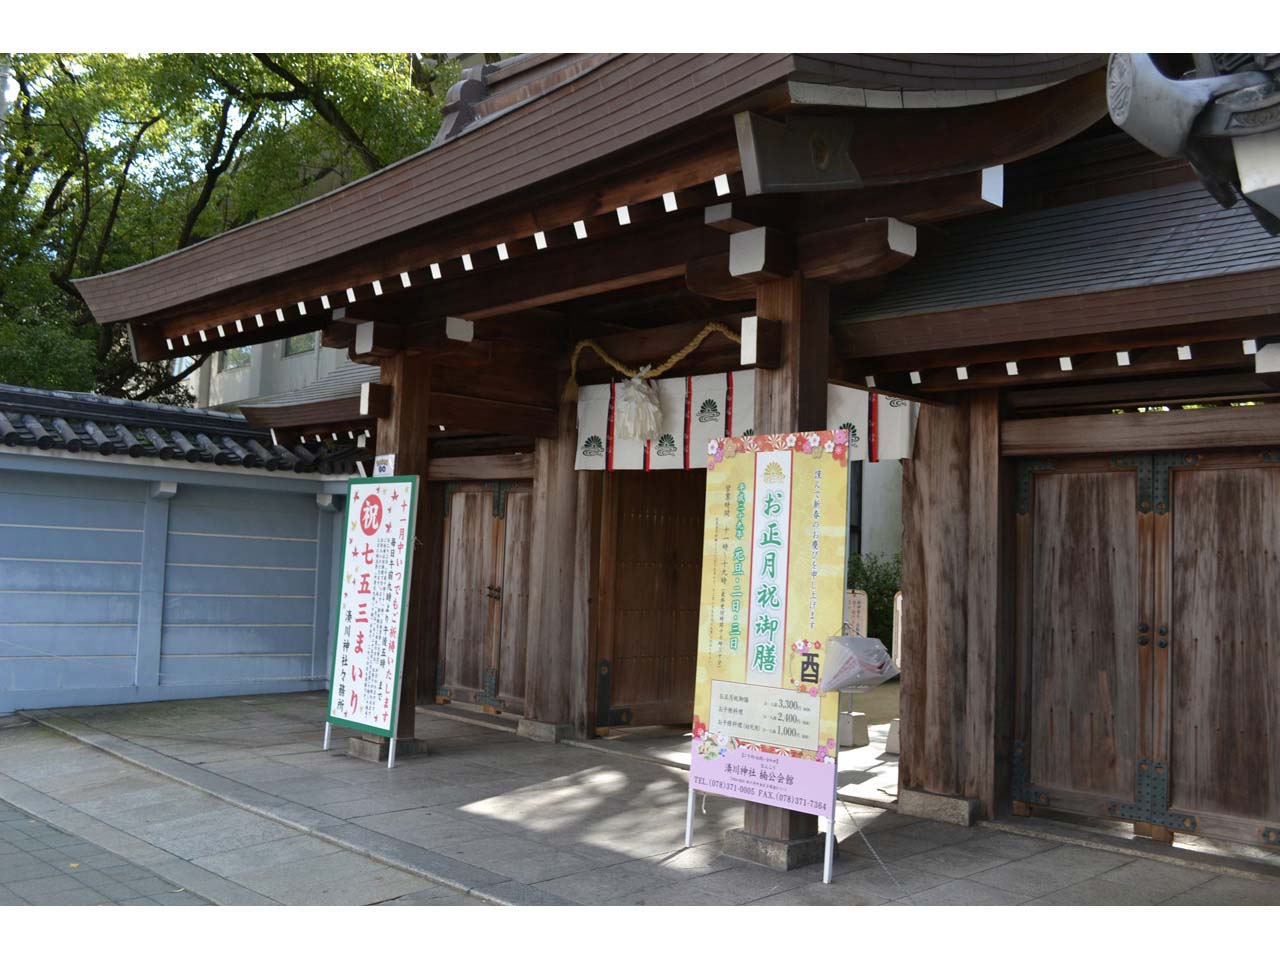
{"x": 215, "y": 167}
{"x": 100, "y": 252}
{"x": 171, "y": 380}
{"x": 326, "y": 108}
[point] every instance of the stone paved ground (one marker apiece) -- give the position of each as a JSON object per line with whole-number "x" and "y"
{"x": 42, "y": 865}
{"x": 522, "y": 822}
{"x": 86, "y": 827}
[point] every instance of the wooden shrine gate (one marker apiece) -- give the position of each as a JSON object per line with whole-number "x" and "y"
{"x": 484, "y": 594}
{"x": 1148, "y": 641}
{"x": 650, "y": 584}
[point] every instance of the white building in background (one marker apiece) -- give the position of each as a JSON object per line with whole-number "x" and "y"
{"x": 235, "y": 377}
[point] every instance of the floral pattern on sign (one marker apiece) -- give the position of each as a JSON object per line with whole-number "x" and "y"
{"x": 831, "y": 443}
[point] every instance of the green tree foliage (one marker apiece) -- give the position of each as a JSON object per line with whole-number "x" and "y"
{"x": 881, "y": 578}
{"x": 107, "y": 160}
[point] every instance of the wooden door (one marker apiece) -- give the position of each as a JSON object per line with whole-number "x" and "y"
{"x": 1217, "y": 650}
{"x": 1082, "y": 553}
{"x": 484, "y": 594}
{"x": 650, "y": 584}
{"x": 1148, "y": 669}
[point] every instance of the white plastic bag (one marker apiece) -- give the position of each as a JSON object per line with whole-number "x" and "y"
{"x": 857, "y": 664}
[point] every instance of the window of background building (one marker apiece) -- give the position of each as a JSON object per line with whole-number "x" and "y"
{"x": 235, "y": 357}
{"x": 302, "y": 343}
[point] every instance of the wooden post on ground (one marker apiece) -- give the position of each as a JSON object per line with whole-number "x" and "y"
{"x": 405, "y": 432}
{"x": 792, "y": 397}
{"x": 556, "y": 667}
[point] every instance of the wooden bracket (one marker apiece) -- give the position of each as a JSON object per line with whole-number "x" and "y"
{"x": 375, "y": 400}
{"x": 376, "y": 338}
{"x": 761, "y": 254}
{"x": 854, "y": 252}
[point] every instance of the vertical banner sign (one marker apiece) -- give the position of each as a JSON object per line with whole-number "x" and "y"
{"x": 373, "y": 599}
{"x": 773, "y": 580}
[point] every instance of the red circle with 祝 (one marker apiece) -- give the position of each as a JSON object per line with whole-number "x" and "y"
{"x": 370, "y": 515}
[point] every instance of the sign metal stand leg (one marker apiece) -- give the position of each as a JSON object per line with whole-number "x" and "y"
{"x": 328, "y": 729}
{"x": 395, "y": 727}
{"x": 688, "y": 820}
{"x": 830, "y": 852}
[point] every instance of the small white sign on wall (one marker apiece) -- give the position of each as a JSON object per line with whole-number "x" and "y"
{"x": 384, "y": 465}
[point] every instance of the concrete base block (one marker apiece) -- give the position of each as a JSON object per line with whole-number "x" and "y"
{"x": 892, "y": 744}
{"x": 853, "y": 730}
{"x": 774, "y": 854}
{"x": 375, "y": 749}
{"x": 543, "y": 731}
{"x": 936, "y": 806}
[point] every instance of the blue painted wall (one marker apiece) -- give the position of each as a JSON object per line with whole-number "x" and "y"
{"x": 160, "y": 583}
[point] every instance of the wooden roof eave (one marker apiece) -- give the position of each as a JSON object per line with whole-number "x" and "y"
{"x": 616, "y": 106}
{"x": 358, "y": 232}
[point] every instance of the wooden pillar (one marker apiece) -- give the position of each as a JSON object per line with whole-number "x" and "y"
{"x": 955, "y": 659}
{"x": 586, "y": 598}
{"x": 791, "y": 397}
{"x": 404, "y": 431}
{"x": 553, "y": 660}
{"x": 983, "y": 621}
{"x": 935, "y": 533}
{"x": 794, "y": 396}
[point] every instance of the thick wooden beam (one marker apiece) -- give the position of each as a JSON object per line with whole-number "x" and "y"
{"x": 1256, "y": 426}
{"x": 404, "y": 432}
{"x": 716, "y": 354}
{"x": 484, "y": 415}
{"x": 856, "y": 251}
{"x": 1033, "y": 370}
{"x": 925, "y": 201}
{"x": 148, "y": 342}
{"x": 710, "y": 277}
{"x": 340, "y": 410}
{"x": 857, "y": 148}
{"x": 1222, "y": 387}
{"x": 736, "y": 216}
{"x": 626, "y": 259}
{"x": 1209, "y": 308}
{"x": 840, "y": 255}
{"x": 494, "y": 466}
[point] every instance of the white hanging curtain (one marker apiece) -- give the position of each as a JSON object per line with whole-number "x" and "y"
{"x": 893, "y": 429}
{"x": 667, "y": 452}
{"x": 593, "y": 427}
{"x": 847, "y": 410}
{"x": 696, "y": 410}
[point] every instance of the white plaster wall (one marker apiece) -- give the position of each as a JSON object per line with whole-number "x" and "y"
{"x": 882, "y": 508}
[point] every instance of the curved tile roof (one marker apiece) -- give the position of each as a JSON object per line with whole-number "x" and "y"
{"x": 89, "y": 423}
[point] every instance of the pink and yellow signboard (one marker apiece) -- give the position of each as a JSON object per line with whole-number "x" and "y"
{"x": 773, "y": 577}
